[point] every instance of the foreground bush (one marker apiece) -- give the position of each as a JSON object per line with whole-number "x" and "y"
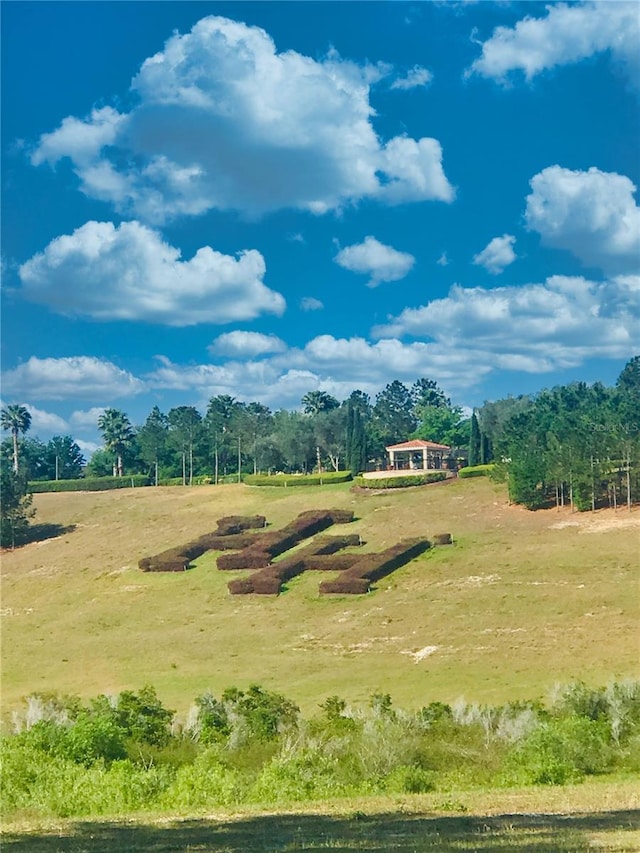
{"x": 118, "y": 755}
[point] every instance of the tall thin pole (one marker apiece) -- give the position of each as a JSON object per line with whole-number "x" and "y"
{"x": 239, "y": 462}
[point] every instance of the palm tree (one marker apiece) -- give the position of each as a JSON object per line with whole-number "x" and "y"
{"x": 315, "y": 402}
{"x": 117, "y": 433}
{"x": 18, "y": 420}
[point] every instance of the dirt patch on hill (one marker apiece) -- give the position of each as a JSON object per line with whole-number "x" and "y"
{"x": 599, "y": 523}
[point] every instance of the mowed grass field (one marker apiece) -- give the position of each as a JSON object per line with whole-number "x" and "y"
{"x": 521, "y": 601}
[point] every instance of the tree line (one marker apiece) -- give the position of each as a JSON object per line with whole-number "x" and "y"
{"x": 233, "y": 437}
{"x": 575, "y": 444}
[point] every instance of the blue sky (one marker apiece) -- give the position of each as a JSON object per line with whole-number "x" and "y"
{"x": 263, "y": 199}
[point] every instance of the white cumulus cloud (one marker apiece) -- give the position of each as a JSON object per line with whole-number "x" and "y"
{"x": 497, "y": 255}
{"x": 239, "y": 344}
{"x": 86, "y": 418}
{"x": 535, "y": 327}
{"x": 80, "y": 376}
{"x": 592, "y": 214}
{"x": 414, "y": 78}
{"x": 310, "y": 303}
{"x": 225, "y": 121}
{"x": 46, "y": 422}
{"x": 128, "y": 272}
{"x": 568, "y": 34}
{"x": 375, "y": 259}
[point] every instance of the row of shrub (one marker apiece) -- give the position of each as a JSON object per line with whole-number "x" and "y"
{"x": 369, "y": 568}
{"x": 127, "y": 753}
{"x": 324, "y": 479}
{"x": 265, "y": 546}
{"x": 400, "y": 482}
{"x": 229, "y": 534}
{"x": 476, "y": 471}
{"x": 320, "y": 554}
{"x": 89, "y": 484}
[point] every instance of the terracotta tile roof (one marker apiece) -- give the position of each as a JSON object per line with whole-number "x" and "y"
{"x": 418, "y": 444}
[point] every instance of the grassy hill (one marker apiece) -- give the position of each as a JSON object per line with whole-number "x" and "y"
{"x": 521, "y": 601}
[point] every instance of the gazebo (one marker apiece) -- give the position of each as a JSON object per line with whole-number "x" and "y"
{"x": 417, "y": 455}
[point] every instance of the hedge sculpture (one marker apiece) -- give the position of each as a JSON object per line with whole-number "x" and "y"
{"x": 371, "y": 567}
{"x": 227, "y": 535}
{"x": 258, "y": 550}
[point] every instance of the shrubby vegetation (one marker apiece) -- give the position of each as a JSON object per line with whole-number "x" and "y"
{"x": 576, "y": 444}
{"x": 89, "y": 484}
{"x": 127, "y": 753}
{"x": 400, "y": 482}
{"x": 476, "y": 471}
{"x": 326, "y": 478}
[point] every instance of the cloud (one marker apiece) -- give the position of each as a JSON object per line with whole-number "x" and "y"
{"x": 87, "y": 448}
{"x": 568, "y": 34}
{"x": 461, "y": 339}
{"x": 80, "y": 140}
{"x": 497, "y": 255}
{"x": 535, "y": 327}
{"x": 81, "y": 377}
{"x": 129, "y": 272}
{"x": 240, "y": 344}
{"x": 414, "y": 78}
{"x": 86, "y": 419}
{"x": 224, "y": 121}
{"x": 46, "y": 422}
{"x": 443, "y": 260}
{"x": 591, "y": 214}
{"x": 326, "y": 363}
{"x": 310, "y": 303}
{"x": 381, "y": 262}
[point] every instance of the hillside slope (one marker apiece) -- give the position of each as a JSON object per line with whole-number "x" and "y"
{"x": 521, "y": 601}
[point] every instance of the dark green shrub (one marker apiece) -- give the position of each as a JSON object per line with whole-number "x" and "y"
{"x": 476, "y": 471}
{"x": 90, "y": 484}
{"x": 328, "y": 478}
{"x": 142, "y": 717}
{"x": 401, "y": 482}
{"x": 264, "y": 715}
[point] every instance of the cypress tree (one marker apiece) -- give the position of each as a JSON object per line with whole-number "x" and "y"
{"x": 348, "y": 453}
{"x": 475, "y": 442}
{"x": 486, "y": 454}
{"x": 359, "y": 442}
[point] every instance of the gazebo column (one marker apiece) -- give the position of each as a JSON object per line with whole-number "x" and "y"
{"x": 391, "y": 459}
{"x": 424, "y": 459}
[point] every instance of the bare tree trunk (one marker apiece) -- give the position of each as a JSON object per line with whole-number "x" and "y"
{"x": 14, "y": 433}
